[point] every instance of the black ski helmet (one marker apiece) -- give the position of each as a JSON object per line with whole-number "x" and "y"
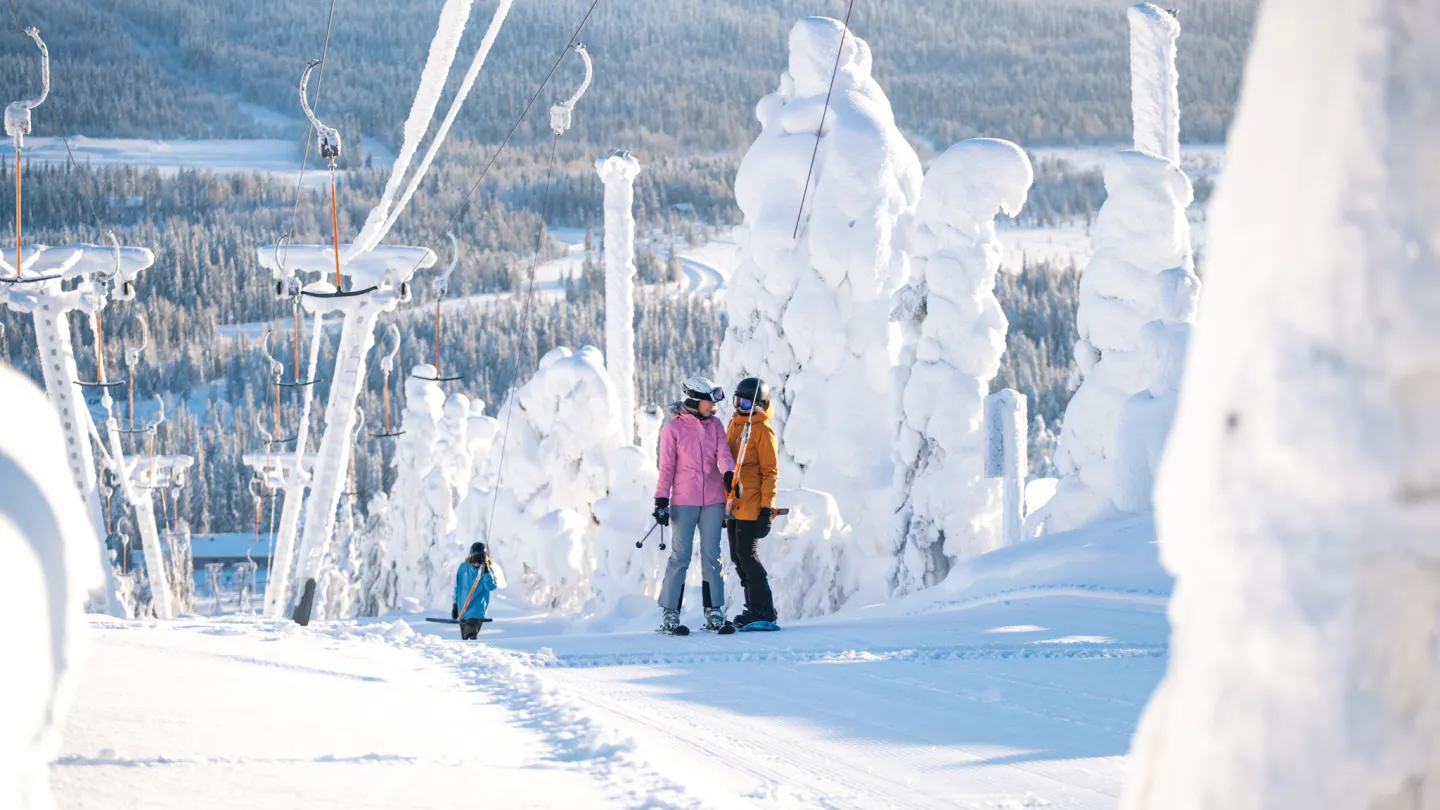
{"x": 753, "y": 389}
{"x": 478, "y": 548}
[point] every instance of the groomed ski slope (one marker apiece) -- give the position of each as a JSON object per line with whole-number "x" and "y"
{"x": 1016, "y": 684}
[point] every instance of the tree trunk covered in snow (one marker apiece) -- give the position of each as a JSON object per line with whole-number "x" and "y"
{"x": 811, "y": 315}
{"x": 618, "y": 172}
{"x": 954, "y": 336}
{"x": 1299, "y": 504}
{"x": 1137, "y": 298}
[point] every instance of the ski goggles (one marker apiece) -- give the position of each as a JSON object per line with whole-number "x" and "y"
{"x": 717, "y": 394}
{"x": 743, "y": 404}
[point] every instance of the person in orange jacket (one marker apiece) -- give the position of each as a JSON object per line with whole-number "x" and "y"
{"x": 751, "y": 501}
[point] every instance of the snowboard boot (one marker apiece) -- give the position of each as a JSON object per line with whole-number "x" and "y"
{"x": 745, "y": 617}
{"x": 470, "y": 630}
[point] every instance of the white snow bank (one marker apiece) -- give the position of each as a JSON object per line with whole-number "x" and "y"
{"x": 954, "y": 337}
{"x": 48, "y": 546}
{"x": 1137, "y": 297}
{"x": 811, "y": 315}
{"x": 1299, "y": 502}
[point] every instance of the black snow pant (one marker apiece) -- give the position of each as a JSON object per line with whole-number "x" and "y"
{"x": 470, "y": 629}
{"x": 744, "y": 552}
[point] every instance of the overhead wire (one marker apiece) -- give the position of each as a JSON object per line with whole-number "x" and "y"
{"x": 820, "y": 130}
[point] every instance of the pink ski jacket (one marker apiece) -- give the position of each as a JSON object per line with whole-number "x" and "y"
{"x": 694, "y": 458}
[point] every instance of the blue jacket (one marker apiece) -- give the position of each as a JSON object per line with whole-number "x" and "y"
{"x": 479, "y": 603}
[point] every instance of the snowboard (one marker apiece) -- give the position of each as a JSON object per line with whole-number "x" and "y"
{"x": 682, "y": 630}
{"x": 760, "y": 627}
{"x": 454, "y": 621}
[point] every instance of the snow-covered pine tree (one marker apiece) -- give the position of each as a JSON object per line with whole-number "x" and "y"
{"x": 811, "y": 315}
{"x": 954, "y": 336}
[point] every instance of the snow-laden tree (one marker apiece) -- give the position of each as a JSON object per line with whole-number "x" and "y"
{"x": 551, "y": 453}
{"x": 447, "y": 483}
{"x": 1137, "y": 299}
{"x": 411, "y": 511}
{"x": 378, "y": 590}
{"x": 810, "y": 315}
{"x": 954, "y": 336}
{"x": 1299, "y": 501}
{"x": 626, "y": 579}
{"x": 48, "y": 545}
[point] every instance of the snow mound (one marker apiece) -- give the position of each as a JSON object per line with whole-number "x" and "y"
{"x": 809, "y": 313}
{"x": 49, "y": 547}
{"x": 954, "y": 336}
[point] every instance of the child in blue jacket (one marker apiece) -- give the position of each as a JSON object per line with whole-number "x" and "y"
{"x": 473, "y": 584}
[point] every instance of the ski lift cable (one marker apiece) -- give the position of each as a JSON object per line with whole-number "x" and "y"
{"x": 55, "y": 119}
{"x": 820, "y": 130}
{"x": 524, "y": 325}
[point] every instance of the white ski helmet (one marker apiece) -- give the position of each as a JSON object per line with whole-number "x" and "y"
{"x": 698, "y": 388}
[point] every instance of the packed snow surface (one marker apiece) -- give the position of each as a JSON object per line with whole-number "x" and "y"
{"x": 1016, "y": 684}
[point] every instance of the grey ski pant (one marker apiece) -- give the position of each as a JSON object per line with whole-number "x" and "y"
{"x": 685, "y": 519}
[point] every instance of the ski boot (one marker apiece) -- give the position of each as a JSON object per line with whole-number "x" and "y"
{"x": 715, "y": 621}
{"x": 670, "y": 623}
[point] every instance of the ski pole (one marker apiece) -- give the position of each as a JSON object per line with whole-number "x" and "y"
{"x": 641, "y": 542}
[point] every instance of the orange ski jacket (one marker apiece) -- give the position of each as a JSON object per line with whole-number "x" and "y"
{"x": 757, "y": 477}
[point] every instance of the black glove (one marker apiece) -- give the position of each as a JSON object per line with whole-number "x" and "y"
{"x": 730, "y": 485}
{"x": 662, "y": 511}
{"x": 454, "y": 611}
{"x": 766, "y": 515}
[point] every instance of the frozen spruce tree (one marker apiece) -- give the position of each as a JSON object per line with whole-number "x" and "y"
{"x": 49, "y": 550}
{"x": 377, "y": 592}
{"x": 447, "y": 483}
{"x": 563, "y": 426}
{"x": 1299, "y": 502}
{"x": 1137, "y": 299}
{"x": 411, "y": 515}
{"x": 809, "y": 305}
{"x": 954, "y": 336}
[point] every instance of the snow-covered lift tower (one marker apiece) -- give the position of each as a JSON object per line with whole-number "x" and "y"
{"x": 618, "y": 170}
{"x": 1155, "y": 80}
{"x": 96, "y": 273}
{"x": 379, "y": 282}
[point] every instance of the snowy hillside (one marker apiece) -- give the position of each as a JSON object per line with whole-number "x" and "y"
{"x": 1017, "y": 685}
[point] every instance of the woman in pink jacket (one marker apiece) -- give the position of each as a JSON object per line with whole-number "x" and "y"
{"x": 695, "y": 473}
